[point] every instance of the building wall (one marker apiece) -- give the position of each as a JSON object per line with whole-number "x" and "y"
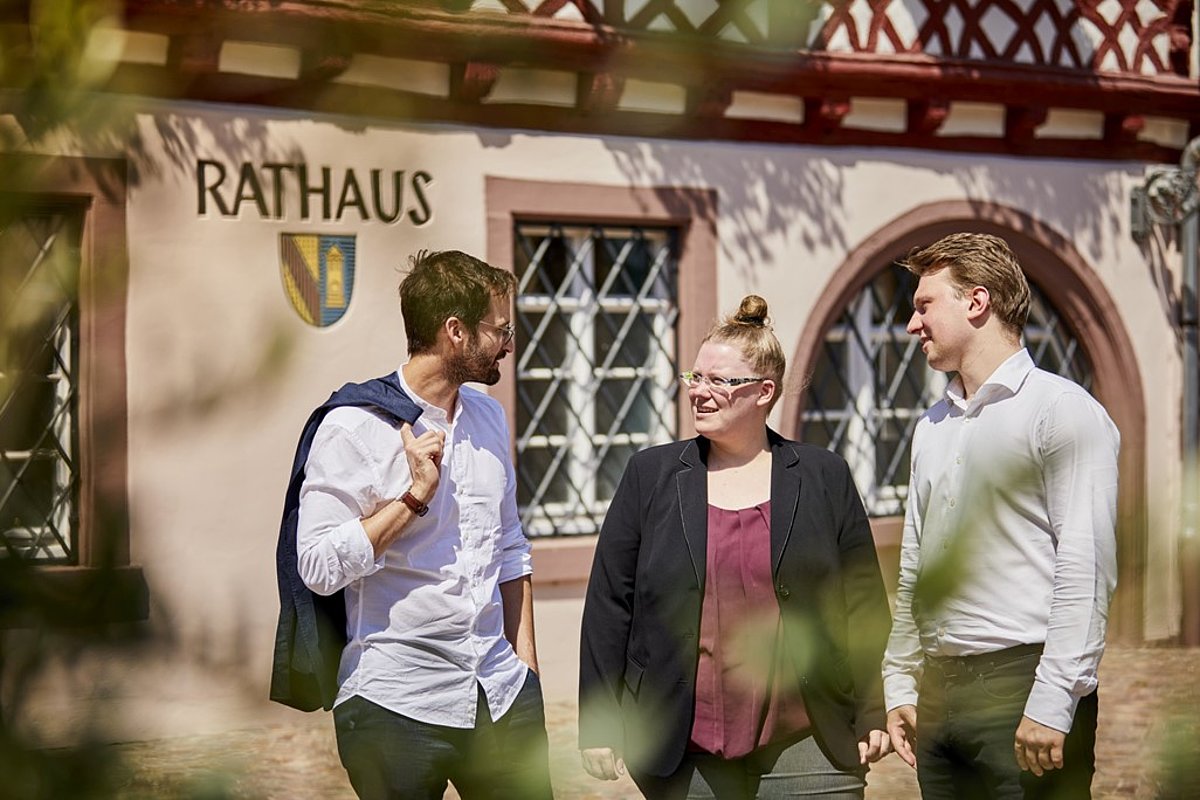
{"x": 222, "y": 372}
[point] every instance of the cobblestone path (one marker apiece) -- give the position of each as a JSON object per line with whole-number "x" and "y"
{"x": 1149, "y": 721}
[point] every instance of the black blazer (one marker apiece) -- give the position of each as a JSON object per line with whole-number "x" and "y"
{"x": 641, "y": 618}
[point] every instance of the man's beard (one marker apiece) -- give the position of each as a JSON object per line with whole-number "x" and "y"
{"x": 477, "y": 365}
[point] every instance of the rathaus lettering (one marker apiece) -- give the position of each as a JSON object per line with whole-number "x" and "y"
{"x": 275, "y": 190}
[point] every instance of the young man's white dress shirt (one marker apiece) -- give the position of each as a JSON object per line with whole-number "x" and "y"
{"x": 1026, "y": 470}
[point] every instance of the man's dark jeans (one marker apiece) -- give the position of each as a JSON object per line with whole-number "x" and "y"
{"x": 967, "y": 719}
{"x": 391, "y": 757}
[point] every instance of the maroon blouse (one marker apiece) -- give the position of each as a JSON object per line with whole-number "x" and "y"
{"x": 739, "y": 642}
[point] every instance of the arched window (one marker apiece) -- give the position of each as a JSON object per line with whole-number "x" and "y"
{"x": 870, "y": 383}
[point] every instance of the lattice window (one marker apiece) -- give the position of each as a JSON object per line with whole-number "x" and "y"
{"x": 596, "y": 364}
{"x": 39, "y": 344}
{"x": 1053, "y": 346}
{"x": 871, "y": 383}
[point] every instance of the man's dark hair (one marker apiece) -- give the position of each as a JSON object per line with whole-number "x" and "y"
{"x": 445, "y": 284}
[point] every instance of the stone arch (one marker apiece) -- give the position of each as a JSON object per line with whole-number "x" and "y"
{"x": 1080, "y": 298}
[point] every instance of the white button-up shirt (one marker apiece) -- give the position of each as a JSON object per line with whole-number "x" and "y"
{"x": 1017, "y": 489}
{"x": 425, "y": 621}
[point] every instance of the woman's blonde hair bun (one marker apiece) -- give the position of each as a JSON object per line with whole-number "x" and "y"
{"x": 752, "y": 311}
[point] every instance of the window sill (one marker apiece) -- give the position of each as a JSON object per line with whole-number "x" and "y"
{"x": 65, "y": 596}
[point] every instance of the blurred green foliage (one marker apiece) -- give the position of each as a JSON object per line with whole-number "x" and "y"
{"x": 51, "y": 64}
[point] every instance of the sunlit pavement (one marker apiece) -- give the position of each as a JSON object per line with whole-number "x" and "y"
{"x": 1146, "y": 695}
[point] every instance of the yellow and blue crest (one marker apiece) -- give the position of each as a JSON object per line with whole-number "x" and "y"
{"x": 318, "y": 275}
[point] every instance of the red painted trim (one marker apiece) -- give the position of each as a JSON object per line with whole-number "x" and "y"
{"x": 393, "y": 30}
{"x": 473, "y": 81}
{"x": 1021, "y": 122}
{"x": 599, "y": 93}
{"x": 925, "y": 117}
{"x": 228, "y": 88}
{"x": 563, "y": 561}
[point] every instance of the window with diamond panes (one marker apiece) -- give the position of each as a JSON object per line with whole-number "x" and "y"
{"x": 871, "y": 383}
{"x": 39, "y": 343}
{"x": 596, "y": 364}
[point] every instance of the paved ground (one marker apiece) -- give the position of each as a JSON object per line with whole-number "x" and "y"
{"x": 1149, "y": 709}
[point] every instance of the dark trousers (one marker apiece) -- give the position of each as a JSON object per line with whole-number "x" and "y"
{"x": 967, "y": 719}
{"x": 793, "y": 768}
{"x": 391, "y": 757}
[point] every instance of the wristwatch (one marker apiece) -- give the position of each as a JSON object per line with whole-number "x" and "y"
{"x": 414, "y": 505}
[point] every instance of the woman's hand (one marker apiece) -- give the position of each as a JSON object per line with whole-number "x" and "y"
{"x": 602, "y": 763}
{"x": 874, "y": 746}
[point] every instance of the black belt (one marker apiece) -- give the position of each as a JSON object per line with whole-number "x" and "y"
{"x": 961, "y": 666}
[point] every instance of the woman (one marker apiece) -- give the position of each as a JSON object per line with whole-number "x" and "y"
{"x": 735, "y": 617}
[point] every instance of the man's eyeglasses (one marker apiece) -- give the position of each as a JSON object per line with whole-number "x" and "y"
{"x": 507, "y": 332}
{"x": 695, "y": 379}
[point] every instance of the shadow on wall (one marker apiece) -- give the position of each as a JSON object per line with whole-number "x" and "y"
{"x": 1089, "y": 207}
{"x": 765, "y": 192}
{"x": 769, "y": 190}
{"x": 181, "y": 140}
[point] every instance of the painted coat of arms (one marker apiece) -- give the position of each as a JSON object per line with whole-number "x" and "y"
{"x": 318, "y": 275}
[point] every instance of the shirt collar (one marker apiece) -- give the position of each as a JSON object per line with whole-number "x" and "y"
{"x": 1003, "y": 382}
{"x": 428, "y": 410}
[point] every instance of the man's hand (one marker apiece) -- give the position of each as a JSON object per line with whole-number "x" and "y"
{"x": 424, "y": 454}
{"x": 902, "y": 728}
{"x": 874, "y": 746}
{"x": 1039, "y": 748}
{"x": 602, "y": 763}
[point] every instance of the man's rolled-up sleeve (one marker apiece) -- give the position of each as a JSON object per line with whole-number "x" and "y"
{"x": 339, "y": 487}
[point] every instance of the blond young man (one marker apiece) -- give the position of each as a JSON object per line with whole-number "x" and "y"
{"x": 990, "y": 680}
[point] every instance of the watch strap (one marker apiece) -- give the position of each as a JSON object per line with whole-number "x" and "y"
{"x": 414, "y": 505}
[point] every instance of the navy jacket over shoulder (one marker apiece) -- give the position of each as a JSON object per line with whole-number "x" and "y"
{"x": 312, "y": 628}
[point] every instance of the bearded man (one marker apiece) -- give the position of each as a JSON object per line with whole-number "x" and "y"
{"x": 413, "y": 516}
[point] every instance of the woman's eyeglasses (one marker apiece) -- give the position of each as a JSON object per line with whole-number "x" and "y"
{"x": 695, "y": 379}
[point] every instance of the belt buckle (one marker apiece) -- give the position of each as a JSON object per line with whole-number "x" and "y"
{"x": 953, "y": 667}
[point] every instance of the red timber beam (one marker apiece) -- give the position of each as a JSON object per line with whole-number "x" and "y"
{"x": 480, "y": 47}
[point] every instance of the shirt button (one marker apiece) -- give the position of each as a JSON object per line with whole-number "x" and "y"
{"x": 952, "y": 502}
{"x": 958, "y": 459}
{"x": 941, "y": 631}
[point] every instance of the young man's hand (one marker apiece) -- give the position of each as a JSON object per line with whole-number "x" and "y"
{"x": 902, "y": 728}
{"x": 1039, "y": 748}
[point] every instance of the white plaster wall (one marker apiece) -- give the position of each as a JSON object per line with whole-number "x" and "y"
{"x": 212, "y": 432}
